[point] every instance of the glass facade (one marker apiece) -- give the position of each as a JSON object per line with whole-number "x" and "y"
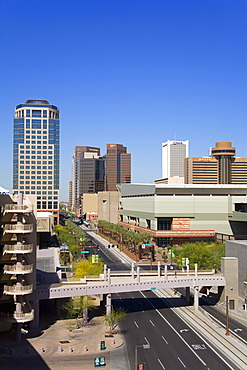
{"x": 37, "y": 143}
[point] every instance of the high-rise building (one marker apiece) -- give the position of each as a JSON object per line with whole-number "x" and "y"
{"x": 222, "y": 167}
{"x": 173, "y": 155}
{"x": 88, "y": 174}
{"x": 118, "y": 166}
{"x": 36, "y": 153}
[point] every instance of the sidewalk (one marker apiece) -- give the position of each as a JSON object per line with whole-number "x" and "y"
{"x": 57, "y": 338}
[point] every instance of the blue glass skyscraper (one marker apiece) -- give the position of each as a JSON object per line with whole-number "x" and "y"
{"x": 36, "y": 153}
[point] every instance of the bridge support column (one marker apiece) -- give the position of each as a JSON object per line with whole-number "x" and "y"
{"x": 165, "y": 275}
{"x": 35, "y": 323}
{"x": 57, "y": 303}
{"x": 108, "y": 304}
{"x": 187, "y": 295}
{"x": 196, "y": 298}
{"x": 159, "y": 269}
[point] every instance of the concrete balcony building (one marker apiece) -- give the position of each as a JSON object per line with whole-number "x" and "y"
{"x": 17, "y": 259}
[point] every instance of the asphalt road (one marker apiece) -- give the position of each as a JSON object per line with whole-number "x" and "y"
{"x": 172, "y": 344}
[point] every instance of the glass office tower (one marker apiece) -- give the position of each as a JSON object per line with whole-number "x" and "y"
{"x": 36, "y": 153}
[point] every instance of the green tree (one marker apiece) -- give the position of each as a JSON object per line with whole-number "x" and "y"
{"x": 207, "y": 256}
{"x": 77, "y": 307}
{"x": 112, "y": 319}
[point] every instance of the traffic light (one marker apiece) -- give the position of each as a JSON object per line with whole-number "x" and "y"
{"x": 140, "y": 366}
{"x": 102, "y": 345}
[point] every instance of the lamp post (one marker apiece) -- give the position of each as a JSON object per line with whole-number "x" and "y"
{"x": 144, "y": 346}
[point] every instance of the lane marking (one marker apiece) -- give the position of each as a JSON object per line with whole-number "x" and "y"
{"x": 136, "y": 324}
{"x": 199, "y": 358}
{"x": 164, "y": 339}
{"x": 199, "y": 335}
{"x": 181, "y": 362}
{"x": 163, "y": 367}
{"x": 146, "y": 340}
{"x": 152, "y": 322}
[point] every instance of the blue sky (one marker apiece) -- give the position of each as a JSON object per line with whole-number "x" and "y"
{"x": 132, "y": 72}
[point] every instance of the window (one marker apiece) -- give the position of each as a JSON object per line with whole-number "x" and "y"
{"x": 36, "y": 113}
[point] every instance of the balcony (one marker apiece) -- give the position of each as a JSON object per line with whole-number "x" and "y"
{"x": 18, "y": 248}
{"x": 18, "y": 289}
{"x": 18, "y": 208}
{"x": 18, "y": 228}
{"x": 18, "y": 269}
{"x": 17, "y": 316}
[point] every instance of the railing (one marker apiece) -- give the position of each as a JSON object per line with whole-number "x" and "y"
{"x": 18, "y": 268}
{"x": 15, "y": 289}
{"x": 15, "y": 248}
{"x": 18, "y": 208}
{"x": 19, "y": 228}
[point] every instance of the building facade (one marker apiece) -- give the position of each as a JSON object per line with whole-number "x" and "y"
{"x": 36, "y": 153}
{"x": 88, "y": 175}
{"x": 174, "y": 214}
{"x": 222, "y": 167}
{"x": 118, "y": 166}
{"x": 18, "y": 243}
{"x": 173, "y": 155}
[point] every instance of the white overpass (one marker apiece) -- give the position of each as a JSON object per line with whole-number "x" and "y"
{"x": 108, "y": 284}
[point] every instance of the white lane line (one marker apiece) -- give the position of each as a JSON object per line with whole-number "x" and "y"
{"x": 199, "y": 335}
{"x": 136, "y": 324}
{"x": 152, "y": 322}
{"x": 180, "y": 336}
{"x": 164, "y": 339}
{"x": 163, "y": 367}
{"x": 146, "y": 340}
{"x": 181, "y": 362}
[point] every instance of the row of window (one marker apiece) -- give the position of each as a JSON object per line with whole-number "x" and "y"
{"x": 36, "y": 113}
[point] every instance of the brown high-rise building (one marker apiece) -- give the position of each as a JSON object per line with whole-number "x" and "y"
{"x": 76, "y": 191}
{"x": 118, "y": 168}
{"x": 221, "y": 168}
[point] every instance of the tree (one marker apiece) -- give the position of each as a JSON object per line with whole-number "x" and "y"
{"x": 78, "y": 307}
{"x": 88, "y": 268}
{"x": 112, "y": 319}
{"x": 207, "y": 256}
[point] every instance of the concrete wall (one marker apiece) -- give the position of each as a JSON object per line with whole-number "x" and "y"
{"x": 108, "y": 206}
{"x": 229, "y": 269}
{"x": 205, "y": 212}
{"x": 238, "y": 249}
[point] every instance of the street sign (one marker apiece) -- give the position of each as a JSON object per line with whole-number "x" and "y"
{"x": 99, "y": 361}
{"x": 152, "y": 288}
{"x": 95, "y": 258}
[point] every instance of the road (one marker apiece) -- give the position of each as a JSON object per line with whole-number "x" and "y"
{"x": 151, "y": 321}
{"x": 172, "y": 344}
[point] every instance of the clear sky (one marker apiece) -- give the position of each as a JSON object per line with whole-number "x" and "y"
{"x": 131, "y": 72}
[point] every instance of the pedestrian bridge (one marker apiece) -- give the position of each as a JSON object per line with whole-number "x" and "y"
{"x": 107, "y": 284}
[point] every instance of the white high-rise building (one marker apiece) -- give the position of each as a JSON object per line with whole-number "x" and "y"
{"x": 36, "y": 153}
{"x": 173, "y": 155}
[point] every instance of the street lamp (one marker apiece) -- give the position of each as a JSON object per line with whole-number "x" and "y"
{"x": 144, "y": 346}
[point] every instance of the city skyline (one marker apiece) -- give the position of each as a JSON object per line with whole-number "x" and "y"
{"x": 137, "y": 74}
